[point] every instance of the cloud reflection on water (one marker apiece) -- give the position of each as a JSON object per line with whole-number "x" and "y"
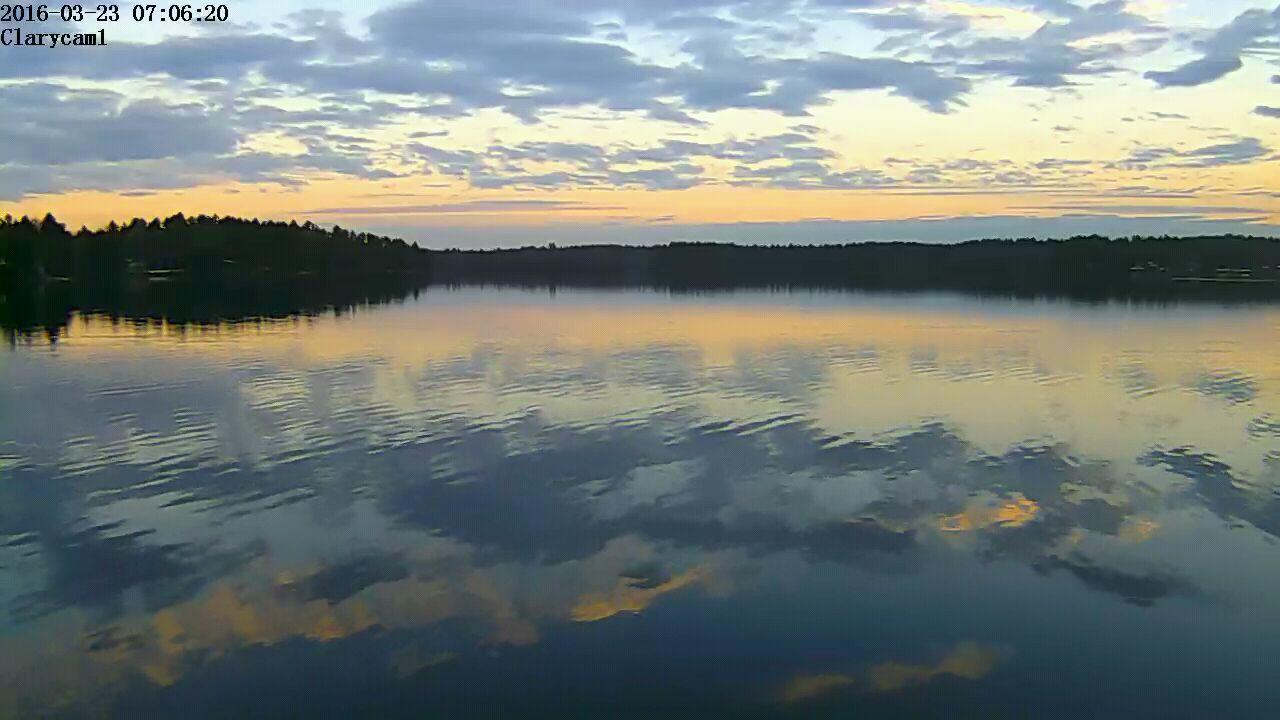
{"x": 494, "y": 472}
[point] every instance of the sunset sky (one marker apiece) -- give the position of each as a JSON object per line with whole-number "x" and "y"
{"x": 509, "y": 122}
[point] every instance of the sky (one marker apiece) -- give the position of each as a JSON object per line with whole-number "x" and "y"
{"x": 514, "y": 122}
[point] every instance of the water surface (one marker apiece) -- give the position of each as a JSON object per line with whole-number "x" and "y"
{"x": 523, "y": 503}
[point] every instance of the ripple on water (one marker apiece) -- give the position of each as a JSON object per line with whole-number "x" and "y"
{"x": 416, "y": 508}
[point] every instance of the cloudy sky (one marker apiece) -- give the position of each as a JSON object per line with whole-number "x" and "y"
{"x": 501, "y": 122}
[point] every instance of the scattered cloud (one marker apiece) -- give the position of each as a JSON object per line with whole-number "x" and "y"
{"x": 454, "y": 93}
{"x": 1222, "y": 51}
{"x": 1234, "y": 152}
{"x": 466, "y": 207}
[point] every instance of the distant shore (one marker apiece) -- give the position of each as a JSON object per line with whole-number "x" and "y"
{"x": 210, "y": 269}
{"x": 1090, "y": 266}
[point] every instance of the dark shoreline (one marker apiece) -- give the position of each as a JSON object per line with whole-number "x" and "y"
{"x": 210, "y": 270}
{"x": 1081, "y": 266}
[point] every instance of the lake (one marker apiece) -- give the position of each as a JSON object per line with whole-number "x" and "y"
{"x": 523, "y": 503}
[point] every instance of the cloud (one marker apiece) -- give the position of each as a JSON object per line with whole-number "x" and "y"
{"x": 482, "y": 51}
{"x": 1132, "y": 209}
{"x": 1196, "y": 72}
{"x": 790, "y": 159}
{"x": 450, "y": 58}
{"x": 48, "y": 124}
{"x": 1057, "y": 54}
{"x": 809, "y": 173}
{"x": 61, "y": 138}
{"x": 146, "y": 175}
{"x": 456, "y": 163}
{"x": 912, "y": 24}
{"x": 920, "y": 82}
{"x": 523, "y": 57}
{"x": 1267, "y": 111}
{"x": 333, "y": 86}
{"x": 1221, "y": 52}
{"x": 465, "y": 207}
{"x": 1239, "y": 151}
{"x": 722, "y": 76}
{"x": 1062, "y": 8}
{"x": 677, "y": 177}
{"x": 227, "y": 56}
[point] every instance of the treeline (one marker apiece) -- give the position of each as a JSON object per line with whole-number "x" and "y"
{"x": 1083, "y": 266}
{"x": 201, "y": 248}
{"x": 210, "y": 269}
{"x": 203, "y": 269}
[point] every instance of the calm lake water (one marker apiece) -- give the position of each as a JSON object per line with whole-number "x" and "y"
{"x": 518, "y": 503}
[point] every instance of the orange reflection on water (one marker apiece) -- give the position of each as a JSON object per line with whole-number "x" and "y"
{"x": 1015, "y": 512}
{"x": 967, "y": 661}
{"x": 629, "y": 597}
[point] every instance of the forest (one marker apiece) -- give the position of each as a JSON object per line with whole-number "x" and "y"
{"x": 203, "y": 269}
{"x": 208, "y": 269}
{"x": 204, "y": 248}
{"x": 1080, "y": 266}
